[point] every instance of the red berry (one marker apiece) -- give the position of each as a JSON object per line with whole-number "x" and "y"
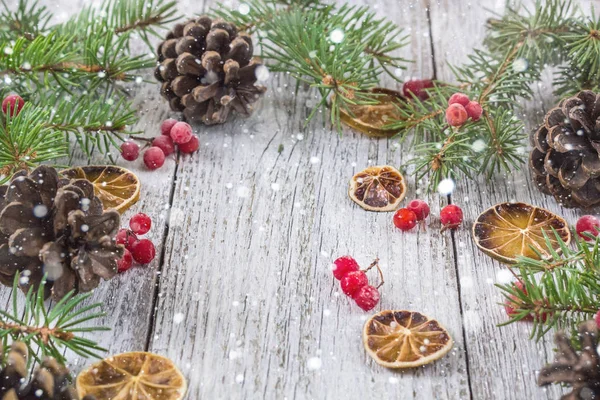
{"x": 143, "y": 251}
{"x": 343, "y": 265}
{"x": 451, "y": 216}
{"x": 597, "y": 318}
{"x": 181, "y": 132}
{"x": 190, "y": 146}
{"x": 405, "y": 219}
{"x": 15, "y": 102}
{"x": 167, "y": 124}
{"x": 140, "y": 223}
{"x": 165, "y": 143}
{"x": 459, "y": 98}
{"x": 456, "y": 115}
{"x": 511, "y": 304}
{"x": 130, "y": 151}
{"x": 124, "y": 263}
{"x": 126, "y": 237}
{"x": 588, "y": 224}
{"x": 367, "y": 297}
{"x": 416, "y": 88}
{"x": 420, "y": 208}
{"x": 154, "y": 158}
{"x": 474, "y": 110}
{"x": 353, "y": 281}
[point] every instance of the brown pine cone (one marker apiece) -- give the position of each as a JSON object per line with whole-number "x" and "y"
{"x": 565, "y": 161}
{"x": 207, "y": 70}
{"x": 57, "y": 227}
{"x": 50, "y": 381}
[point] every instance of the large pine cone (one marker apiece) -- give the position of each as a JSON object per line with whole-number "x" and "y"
{"x": 49, "y": 382}
{"x": 565, "y": 161}
{"x": 56, "y": 227}
{"x": 207, "y": 70}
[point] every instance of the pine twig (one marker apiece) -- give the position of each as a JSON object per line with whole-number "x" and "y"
{"x": 51, "y": 331}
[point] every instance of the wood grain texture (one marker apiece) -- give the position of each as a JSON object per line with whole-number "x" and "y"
{"x": 503, "y": 362}
{"x": 247, "y": 301}
{"x": 242, "y": 297}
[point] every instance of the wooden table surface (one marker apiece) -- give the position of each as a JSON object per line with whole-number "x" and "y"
{"x": 241, "y": 295}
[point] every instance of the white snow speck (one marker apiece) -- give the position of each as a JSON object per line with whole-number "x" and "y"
{"x": 40, "y": 211}
{"x": 244, "y": 9}
{"x": 504, "y": 276}
{"x": 243, "y": 192}
{"x": 275, "y": 186}
{"x": 239, "y": 378}
{"x": 337, "y": 35}
{"x": 233, "y": 355}
{"x": 314, "y": 160}
{"x": 446, "y": 186}
{"x": 300, "y": 136}
{"x": 520, "y": 65}
{"x": 478, "y": 145}
{"x": 235, "y": 303}
{"x": 393, "y": 380}
{"x": 229, "y": 185}
{"x": 178, "y": 318}
{"x": 262, "y": 73}
{"x": 314, "y": 363}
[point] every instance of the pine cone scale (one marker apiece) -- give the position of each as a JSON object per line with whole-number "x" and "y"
{"x": 565, "y": 160}
{"x": 203, "y": 67}
{"x": 50, "y": 227}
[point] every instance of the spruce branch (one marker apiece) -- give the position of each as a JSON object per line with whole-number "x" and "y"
{"x": 50, "y": 331}
{"x": 560, "y": 291}
{"x": 87, "y": 58}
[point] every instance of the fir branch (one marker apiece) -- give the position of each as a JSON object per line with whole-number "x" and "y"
{"x": 50, "y": 331}
{"x": 26, "y": 21}
{"x": 560, "y": 291}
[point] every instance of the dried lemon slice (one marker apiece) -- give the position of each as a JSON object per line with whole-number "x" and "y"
{"x": 508, "y": 230}
{"x": 116, "y": 187}
{"x": 379, "y": 188}
{"x": 373, "y": 119}
{"x": 405, "y": 339}
{"x": 132, "y": 376}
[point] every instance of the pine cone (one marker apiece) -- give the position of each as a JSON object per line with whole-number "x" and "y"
{"x": 57, "y": 227}
{"x": 565, "y": 161}
{"x": 581, "y": 370}
{"x": 50, "y": 381}
{"x": 207, "y": 70}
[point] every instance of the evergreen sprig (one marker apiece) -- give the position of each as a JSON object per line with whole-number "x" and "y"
{"x": 560, "y": 291}
{"x": 340, "y": 51}
{"x": 518, "y": 46}
{"x": 50, "y": 331}
{"x": 73, "y": 74}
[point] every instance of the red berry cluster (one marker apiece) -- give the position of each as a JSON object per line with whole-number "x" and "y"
{"x": 416, "y": 88}
{"x": 405, "y": 219}
{"x": 140, "y": 250}
{"x": 14, "y": 102}
{"x": 355, "y": 283}
{"x": 587, "y": 227}
{"x": 172, "y": 133}
{"x": 460, "y": 108}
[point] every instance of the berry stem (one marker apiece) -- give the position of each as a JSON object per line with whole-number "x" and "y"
{"x": 142, "y": 139}
{"x": 375, "y": 263}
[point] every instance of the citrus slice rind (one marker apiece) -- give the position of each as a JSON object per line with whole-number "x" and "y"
{"x": 378, "y": 188}
{"x": 116, "y": 187}
{"x": 133, "y": 376}
{"x": 405, "y": 339}
{"x": 509, "y": 230}
{"x": 373, "y": 119}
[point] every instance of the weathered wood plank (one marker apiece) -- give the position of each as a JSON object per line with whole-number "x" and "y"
{"x": 247, "y": 303}
{"x": 503, "y": 362}
{"x": 128, "y": 298}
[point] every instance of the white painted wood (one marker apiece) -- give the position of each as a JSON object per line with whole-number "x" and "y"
{"x": 247, "y": 302}
{"x": 244, "y": 301}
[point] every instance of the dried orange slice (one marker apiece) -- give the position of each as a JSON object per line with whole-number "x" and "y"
{"x": 379, "y": 188}
{"x": 405, "y": 339}
{"x": 509, "y": 230}
{"x": 132, "y": 376}
{"x": 116, "y": 187}
{"x": 373, "y": 119}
